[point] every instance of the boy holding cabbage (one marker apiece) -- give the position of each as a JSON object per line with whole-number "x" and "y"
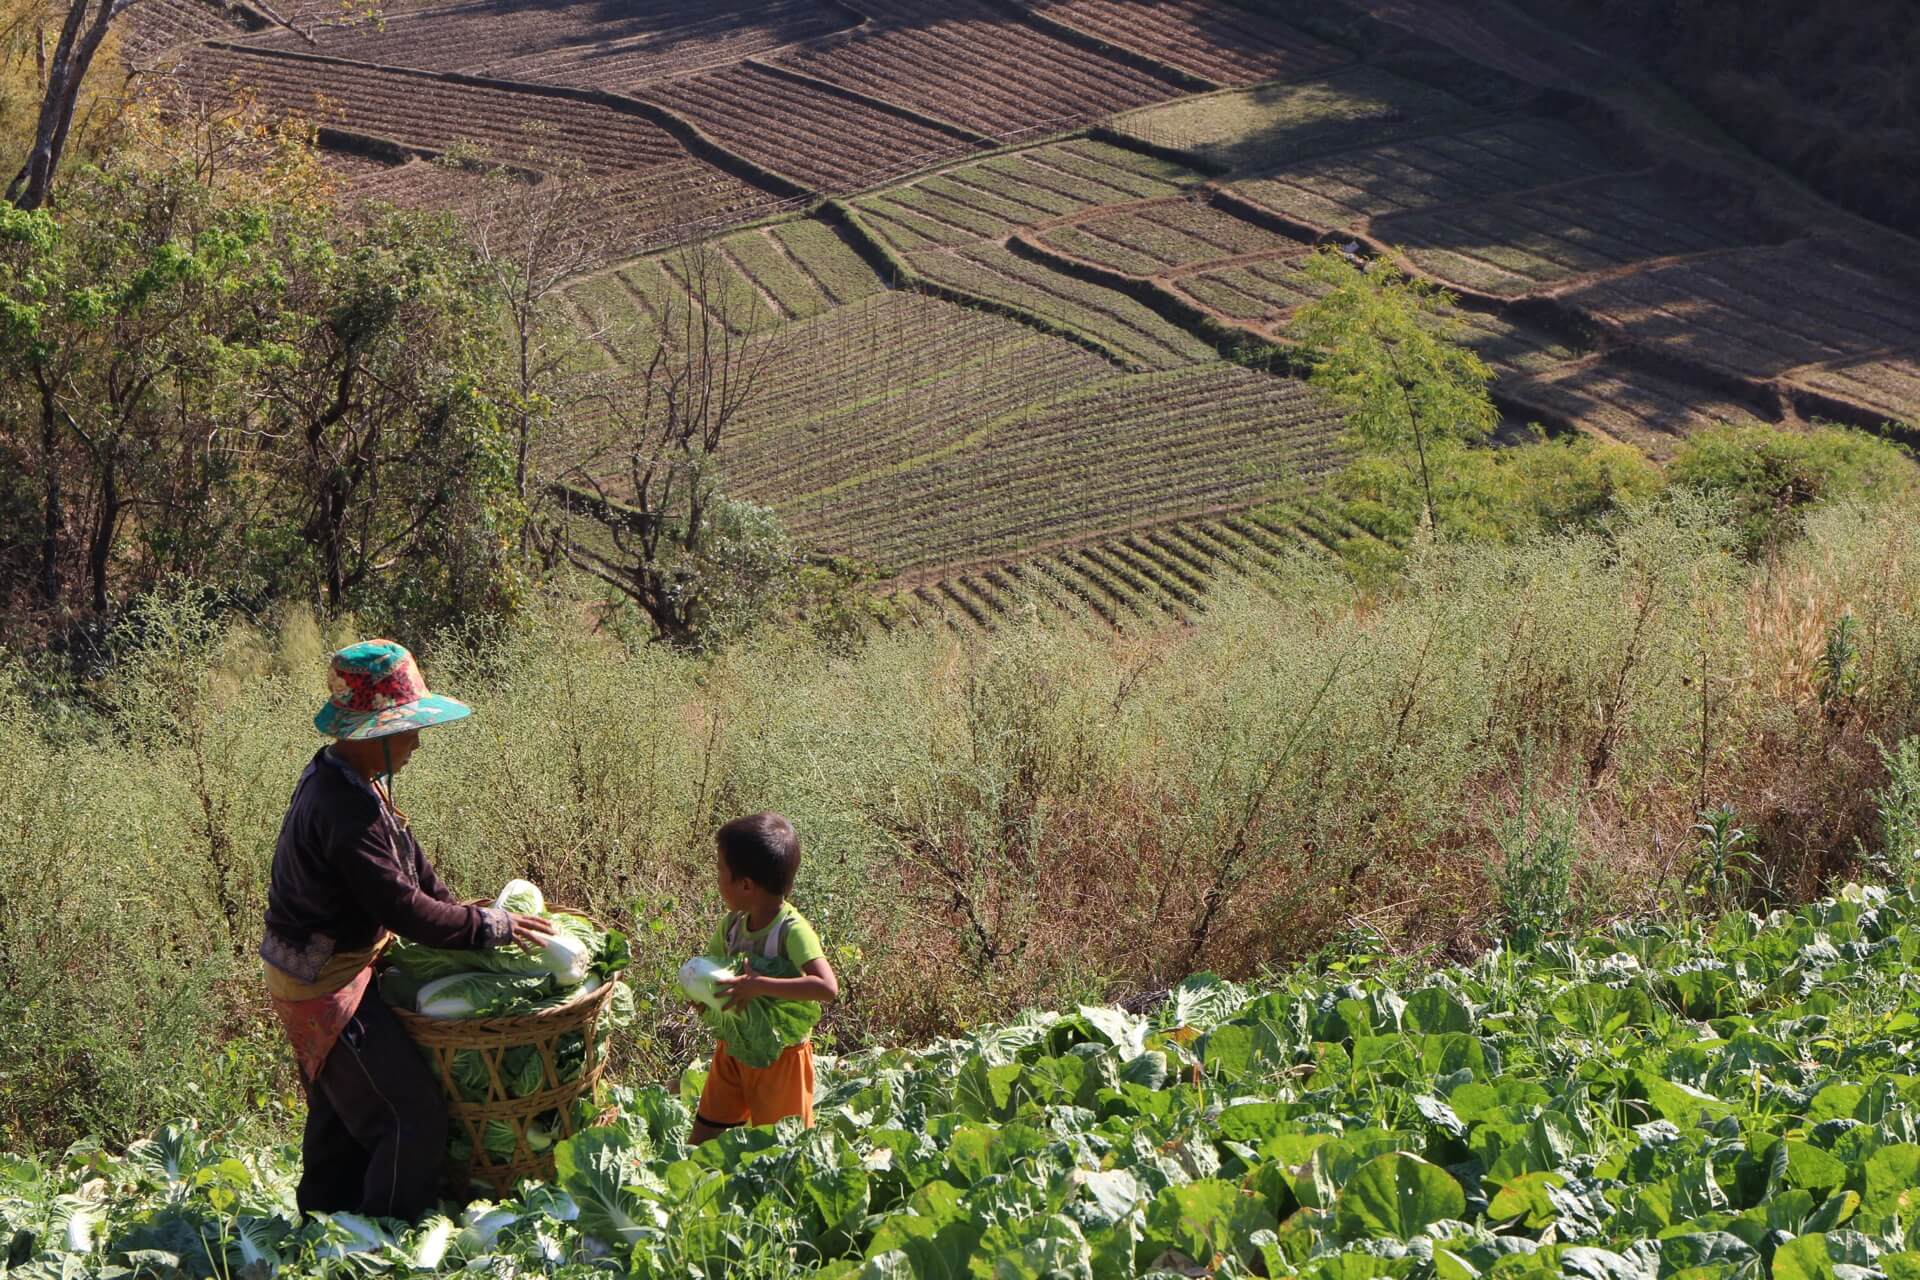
{"x": 761, "y": 983}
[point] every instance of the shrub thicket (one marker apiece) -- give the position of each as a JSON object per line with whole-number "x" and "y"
{"x": 1032, "y": 817}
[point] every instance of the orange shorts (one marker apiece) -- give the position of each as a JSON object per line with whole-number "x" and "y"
{"x": 737, "y": 1094}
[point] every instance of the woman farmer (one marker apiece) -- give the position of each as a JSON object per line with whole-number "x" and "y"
{"x": 347, "y": 872}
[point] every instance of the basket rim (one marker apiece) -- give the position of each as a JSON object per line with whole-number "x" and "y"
{"x": 537, "y": 1024}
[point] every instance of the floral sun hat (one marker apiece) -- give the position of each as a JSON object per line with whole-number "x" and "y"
{"x": 377, "y": 690}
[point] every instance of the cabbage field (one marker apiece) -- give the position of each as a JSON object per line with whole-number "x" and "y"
{"x": 1709, "y": 1100}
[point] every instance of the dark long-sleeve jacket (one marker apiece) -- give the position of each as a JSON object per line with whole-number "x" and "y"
{"x": 345, "y": 869}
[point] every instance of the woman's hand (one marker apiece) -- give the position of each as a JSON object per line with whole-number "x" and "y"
{"x": 531, "y": 932}
{"x": 740, "y": 990}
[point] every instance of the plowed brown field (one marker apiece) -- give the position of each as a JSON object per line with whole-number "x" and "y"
{"x": 972, "y": 66}
{"x": 820, "y": 139}
{"x": 1214, "y": 41}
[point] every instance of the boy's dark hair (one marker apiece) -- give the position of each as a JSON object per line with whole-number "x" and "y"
{"x": 764, "y": 848}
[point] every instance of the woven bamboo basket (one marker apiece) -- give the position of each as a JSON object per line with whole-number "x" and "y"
{"x": 491, "y": 1038}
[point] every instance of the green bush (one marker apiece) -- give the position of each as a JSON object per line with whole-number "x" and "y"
{"x": 1499, "y": 494}
{"x": 1772, "y": 477}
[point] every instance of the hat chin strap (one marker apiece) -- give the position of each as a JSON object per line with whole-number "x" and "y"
{"x": 386, "y": 756}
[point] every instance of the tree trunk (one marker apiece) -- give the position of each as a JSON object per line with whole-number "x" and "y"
{"x": 52, "y": 514}
{"x": 79, "y": 41}
{"x": 100, "y": 550}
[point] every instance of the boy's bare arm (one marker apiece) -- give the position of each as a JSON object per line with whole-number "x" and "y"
{"x": 816, "y": 982}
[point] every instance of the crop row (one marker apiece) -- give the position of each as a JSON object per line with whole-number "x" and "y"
{"x": 153, "y": 27}
{"x": 1149, "y": 577}
{"x": 917, "y": 413}
{"x": 1513, "y": 244}
{"x": 820, "y": 139}
{"x": 1511, "y": 347}
{"x": 1132, "y": 331}
{"x": 975, "y": 67}
{"x": 880, "y": 346}
{"x": 992, "y": 198}
{"x": 1760, "y": 312}
{"x": 1256, "y": 293}
{"x": 1253, "y": 130}
{"x": 575, "y": 42}
{"x": 1346, "y": 189}
{"x": 1158, "y": 445}
{"x": 753, "y": 280}
{"x": 1149, "y": 241}
{"x": 506, "y": 126}
{"x": 1796, "y": 311}
{"x": 1630, "y": 404}
{"x": 1217, "y": 42}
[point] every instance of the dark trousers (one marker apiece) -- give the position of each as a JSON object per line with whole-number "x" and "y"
{"x": 376, "y": 1140}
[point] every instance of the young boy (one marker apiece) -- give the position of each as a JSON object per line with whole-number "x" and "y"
{"x": 756, "y": 858}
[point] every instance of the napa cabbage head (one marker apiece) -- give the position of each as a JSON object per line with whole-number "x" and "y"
{"x": 522, "y": 897}
{"x": 481, "y": 995}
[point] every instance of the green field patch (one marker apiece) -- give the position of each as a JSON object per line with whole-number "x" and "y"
{"x": 1081, "y": 242}
{"x": 1135, "y": 333}
{"x": 1000, "y": 213}
{"x": 1140, "y": 176}
{"x": 833, "y": 265}
{"x": 905, "y": 230}
{"x": 1250, "y": 130}
{"x": 1071, "y": 190}
{"x": 777, "y": 274}
{"x": 960, "y": 220}
{"x": 983, "y": 189}
{"x": 1273, "y": 286}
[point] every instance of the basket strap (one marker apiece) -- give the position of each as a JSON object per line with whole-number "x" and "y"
{"x": 775, "y": 945}
{"x": 772, "y": 947}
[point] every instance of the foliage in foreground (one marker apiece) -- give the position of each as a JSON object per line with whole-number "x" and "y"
{"x": 1696, "y": 1101}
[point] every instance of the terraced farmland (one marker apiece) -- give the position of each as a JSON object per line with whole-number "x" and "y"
{"x": 1106, "y": 319}
{"x": 963, "y": 62}
{"x": 1184, "y": 443}
{"x": 1215, "y": 42}
{"x": 1161, "y": 238}
{"x": 1638, "y": 406}
{"x": 155, "y": 26}
{"x": 1254, "y": 130}
{"x": 1346, "y": 190}
{"x": 573, "y": 42}
{"x": 1036, "y": 407}
{"x": 826, "y": 142}
{"x": 1803, "y": 316}
{"x": 506, "y": 126}
{"x": 993, "y": 198}
{"x": 763, "y": 278}
{"x": 1513, "y": 244}
{"x": 893, "y": 383}
{"x": 1147, "y": 578}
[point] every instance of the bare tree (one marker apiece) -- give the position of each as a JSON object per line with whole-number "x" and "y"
{"x": 532, "y": 234}
{"x": 688, "y": 379}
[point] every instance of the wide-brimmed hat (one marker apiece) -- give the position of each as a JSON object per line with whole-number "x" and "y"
{"x": 378, "y": 690}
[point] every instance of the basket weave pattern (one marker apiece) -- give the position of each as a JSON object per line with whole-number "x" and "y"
{"x": 490, "y": 1039}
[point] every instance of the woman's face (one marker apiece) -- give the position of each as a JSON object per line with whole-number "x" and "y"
{"x": 400, "y": 748}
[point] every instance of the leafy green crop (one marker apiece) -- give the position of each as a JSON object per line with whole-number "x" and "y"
{"x": 1730, "y": 1100}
